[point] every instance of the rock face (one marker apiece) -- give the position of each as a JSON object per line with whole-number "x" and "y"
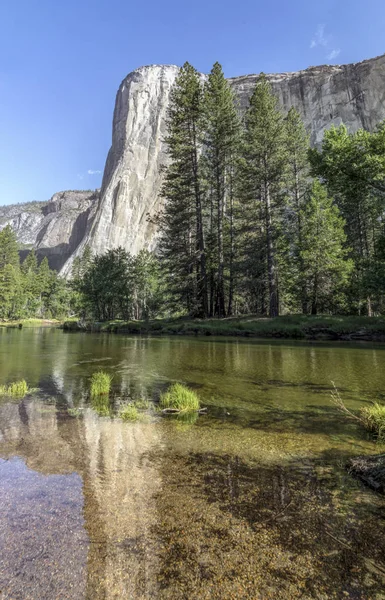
{"x": 351, "y": 94}
{"x": 129, "y": 199}
{"x": 54, "y": 228}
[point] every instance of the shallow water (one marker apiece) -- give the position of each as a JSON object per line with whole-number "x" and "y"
{"x": 251, "y": 501}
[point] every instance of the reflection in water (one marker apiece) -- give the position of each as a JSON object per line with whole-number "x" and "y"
{"x": 119, "y": 483}
{"x": 250, "y": 501}
{"x": 42, "y": 538}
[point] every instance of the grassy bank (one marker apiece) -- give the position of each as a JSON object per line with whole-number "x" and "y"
{"x": 293, "y": 326}
{"x": 31, "y": 323}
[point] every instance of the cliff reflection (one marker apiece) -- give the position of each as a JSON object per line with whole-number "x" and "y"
{"x": 119, "y": 483}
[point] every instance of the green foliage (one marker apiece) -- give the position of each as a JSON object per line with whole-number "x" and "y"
{"x": 29, "y": 290}
{"x": 220, "y": 158}
{"x": 100, "y": 383}
{"x": 9, "y": 254}
{"x": 129, "y": 412}
{"x": 374, "y": 419}
{"x": 142, "y": 404}
{"x": 117, "y": 285}
{"x": 17, "y": 389}
{"x": 353, "y": 167}
{"x": 181, "y": 223}
{"x": 101, "y": 405}
{"x": 180, "y": 398}
{"x": 323, "y": 259}
{"x": 263, "y": 169}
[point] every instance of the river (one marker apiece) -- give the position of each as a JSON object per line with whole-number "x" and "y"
{"x": 249, "y": 501}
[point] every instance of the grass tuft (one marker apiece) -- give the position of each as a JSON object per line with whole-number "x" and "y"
{"x": 180, "y": 397}
{"x": 17, "y": 389}
{"x": 142, "y": 404}
{"x": 373, "y": 417}
{"x": 129, "y": 413}
{"x": 101, "y": 405}
{"x": 100, "y": 383}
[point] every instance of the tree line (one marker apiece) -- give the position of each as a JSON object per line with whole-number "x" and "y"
{"x": 254, "y": 221}
{"x": 29, "y": 290}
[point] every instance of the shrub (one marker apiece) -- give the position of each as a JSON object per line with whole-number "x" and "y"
{"x": 129, "y": 413}
{"x": 373, "y": 417}
{"x": 17, "y": 389}
{"x": 100, "y": 383}
{"x": 180, "y": 398}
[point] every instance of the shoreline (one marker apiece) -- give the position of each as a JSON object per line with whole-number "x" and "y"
{"x": 298, "y": 327}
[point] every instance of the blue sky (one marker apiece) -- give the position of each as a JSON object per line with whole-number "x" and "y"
{"x": 61, "y": 64}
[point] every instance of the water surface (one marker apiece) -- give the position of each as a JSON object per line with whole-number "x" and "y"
{"x": 251, "y": 501}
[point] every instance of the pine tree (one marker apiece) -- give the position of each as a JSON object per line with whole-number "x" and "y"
{"x": 220, "y": 154}
{"x": 182, "y": 241}
{"x": 323, "y": 257}
{"x": 9, "y": 250}
{"x": 297, "y": 185}
{"x": 353, "y": 167}
{"x": 264, "y": 162}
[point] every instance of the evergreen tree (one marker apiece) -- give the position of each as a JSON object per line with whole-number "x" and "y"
{"x": 9, "y": 250}
{"x": 297, "y": 185}
{"x": 264, "y": 163}
{"x": 323, "y": 257}
{"x": 182, "y": 241}
{"x": 353, "y": 167}
{"x": 220, "y": 155}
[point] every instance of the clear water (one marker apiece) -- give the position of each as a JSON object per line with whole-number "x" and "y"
{"x": 251, "y": 501}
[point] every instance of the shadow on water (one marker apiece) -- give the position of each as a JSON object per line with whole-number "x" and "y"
{"x": 236, "y": 530}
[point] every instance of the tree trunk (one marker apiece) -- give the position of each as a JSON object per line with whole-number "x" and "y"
{"x": 314, "y": 301}
{"x": 369, "y": 306}
{"x": 271, "y": 272}
{"x": 200, "y": 242}
{"x": 220, "y": 289}
{"x": 231, "y": 260}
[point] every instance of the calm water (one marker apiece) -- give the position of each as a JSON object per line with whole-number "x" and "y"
{"x": 251, "y": 501}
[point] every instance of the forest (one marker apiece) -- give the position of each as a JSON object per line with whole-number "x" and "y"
{"x": 253, "y": 221}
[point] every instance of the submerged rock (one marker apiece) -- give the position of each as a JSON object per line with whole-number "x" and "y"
{"x": 370, "y": 470}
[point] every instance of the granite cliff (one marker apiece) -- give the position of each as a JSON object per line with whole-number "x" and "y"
{"x": 54, "y": 228}
{"x": 325, "y": 95}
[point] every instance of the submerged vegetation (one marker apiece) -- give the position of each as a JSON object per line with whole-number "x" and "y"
{"x": 17, "y": 389}
{"x": 101, "y": 405}
{"x": 180, "y": 398}
{"x": 129, "y": 412}
{"x": 371, "y": 417}
{"x": 100, "y": 383}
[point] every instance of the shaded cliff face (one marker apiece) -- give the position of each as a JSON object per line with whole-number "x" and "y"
{"x": 130, "y": 197}
{"x": 54, "y": 228}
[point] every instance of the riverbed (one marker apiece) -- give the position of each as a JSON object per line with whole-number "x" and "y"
{"x": 248, "y": 501}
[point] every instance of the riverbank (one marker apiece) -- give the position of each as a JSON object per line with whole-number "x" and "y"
{"x": 31, "y": 323}
{"x": 285, "y": 327}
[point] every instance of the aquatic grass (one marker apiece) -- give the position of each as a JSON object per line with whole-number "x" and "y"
{"x": 129, "y": 412}
{"x": 17, "y": 389}
{"x": 74, "y": 412}
{"x": 101, "y": 405}
{"x": 180, "y": 397}
{"x": 142, "y": 404}
{"x": 373, "y": 417}
{"x": 100, "y": 383}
